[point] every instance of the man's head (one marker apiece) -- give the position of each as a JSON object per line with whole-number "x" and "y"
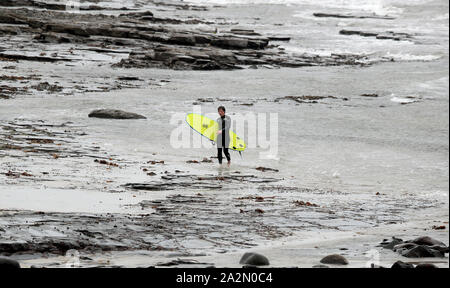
{"x": 221, "y": 111}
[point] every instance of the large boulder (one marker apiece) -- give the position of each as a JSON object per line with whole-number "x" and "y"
{"x": 254, "y": 259}
{"x": 6, "y": 263}
{"x": 417, "y": 248}
{"x": 426, "y": 265}
{"x": 335, "y": 259}
{"x": 400, "y": 264}
{"x": 114, "y": 114}
{"x": 421, "y": 251}
{"x": 427, "y": 241}
{"x": 442, "y": 249}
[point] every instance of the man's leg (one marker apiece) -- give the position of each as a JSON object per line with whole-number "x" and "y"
{"x": 219, "y": 155}
{"x": 227, "y": 154}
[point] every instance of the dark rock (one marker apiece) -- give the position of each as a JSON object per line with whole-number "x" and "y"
{"x": 368, "y": 34}
{"x": 114, "y": 114}
{"x": 420, "y": 251}
{"x": 390, "y": 244}
{"x": 264, "y": 169}
{"x": 182, "y": 39}
{"x": 32, "y": 58}
{"x": 138, "y": 14}
{"x": 45, "y": 246}
{"x": 230, "y": 43}
{"x": 426, "y": 265}
{"x": 181, "y": 262}
{"x": 349, "y": 32}
{"x": 371, "y": 16}
{"x": 382, "y": 36}
{"x": 10, "y": 18}
{"x": 156, "y": 46}
{"x": 334, "y": 259}
{"x": 206, "y": 100}
{"x": 403, "y": 246}
{"x": 427, "y": 241}
{"x": 162, "y": 186}
{"x": 389, "y": 35}
{"x": 254, "y": 259}
{"x": 128, "y": 78}
{"x": 182, "y": 181}
{"x": 258, "y": 44}
{"x": 438, "y": 227}
{"x": 8, "y": 30}
{"x": 307, "y": 204}
{"x": 279, "y": 38}
{"x": 45, "y": 86}
{"x": 202, "y": 39}
{"x": 98, "y": 232}
{"x": 244, "y": 32}
{"x": 401, "y": 264}
{"x": 54, "y": 38}
{"x": 33, "y": 3}
{"x": 6, "y": 263}
{"x": 417, "y": 248}
{"x": 310, "y": 99}
{"x": 442, "y": 249}
{"x": 67, "y": 28}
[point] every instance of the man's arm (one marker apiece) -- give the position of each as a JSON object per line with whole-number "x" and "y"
{"x": 219, "y": 121}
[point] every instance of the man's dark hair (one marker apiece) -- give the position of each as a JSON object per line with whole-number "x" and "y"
{"x": 221, "y": 108}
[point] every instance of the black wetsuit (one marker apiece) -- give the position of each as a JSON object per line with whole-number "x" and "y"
{"x": 223, "y": 140}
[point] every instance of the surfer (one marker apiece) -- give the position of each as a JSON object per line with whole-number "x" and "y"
{"x": 223, "y": 135}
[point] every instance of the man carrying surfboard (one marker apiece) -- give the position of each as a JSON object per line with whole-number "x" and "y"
{"x": 223, "y": 135}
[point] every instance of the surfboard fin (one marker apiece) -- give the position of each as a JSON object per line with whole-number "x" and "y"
{"x": 240, "y": 153}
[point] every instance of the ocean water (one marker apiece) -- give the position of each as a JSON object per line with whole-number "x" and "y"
{"x": 427, "y": 21}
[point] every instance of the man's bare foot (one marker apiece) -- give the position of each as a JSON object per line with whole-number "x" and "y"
{"x": 229, "y": 163}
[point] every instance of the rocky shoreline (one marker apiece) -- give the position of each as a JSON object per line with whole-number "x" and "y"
{"x": 154, "y": 41}
{"x": 177, "y": 222}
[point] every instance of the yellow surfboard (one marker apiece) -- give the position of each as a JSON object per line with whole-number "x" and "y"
{"x": 208, "y": 128}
